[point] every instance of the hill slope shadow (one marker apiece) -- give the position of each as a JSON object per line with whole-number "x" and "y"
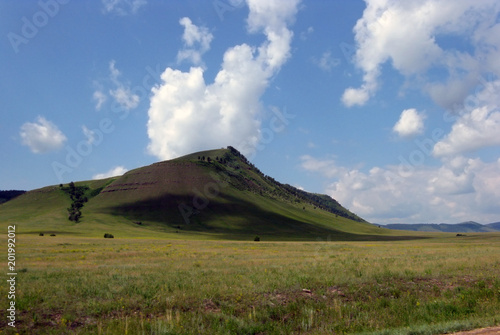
{"x": 232, "y": 217}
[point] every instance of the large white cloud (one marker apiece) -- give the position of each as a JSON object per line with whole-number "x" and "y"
{"x": 406, "y": 34}
{"x": 460, "y": 189}
{"x": 410, "y": 123}
{"x": 42, "y": 136}
{"x": 187, "y": 114}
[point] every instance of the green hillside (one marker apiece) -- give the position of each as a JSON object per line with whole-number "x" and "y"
{"x": 211, "y": 194}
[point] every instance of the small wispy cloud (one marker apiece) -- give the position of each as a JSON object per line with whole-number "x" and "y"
{"x": 122, "y": 7}
{"x": 100, "y": 98}
{"x": 326, "y": 62}
{"x": 122, "y": 94}
{"x": 125, "y": 97}
{"x": 326, "y": 167}
{"x": 89, "y": 134}
{"x": 196, "y": 42}
{"x": 305, "y": 34}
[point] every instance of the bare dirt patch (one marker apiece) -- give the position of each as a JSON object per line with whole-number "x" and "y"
{"x": 210, "y": 307}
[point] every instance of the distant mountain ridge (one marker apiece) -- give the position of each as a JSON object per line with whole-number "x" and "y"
{"x": 463, "y": 227}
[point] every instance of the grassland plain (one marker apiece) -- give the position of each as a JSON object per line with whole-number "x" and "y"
{"x": 68, "y": 284}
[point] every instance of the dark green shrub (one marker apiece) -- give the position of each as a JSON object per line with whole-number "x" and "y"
{"x": 256, "y": 239}
{"x": 41, "y": 234}
{"x": 108, "y": 235}
{"x": 78, "y": 198}
{"x": 52, "y": 234}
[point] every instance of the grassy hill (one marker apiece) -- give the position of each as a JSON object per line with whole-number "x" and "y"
{"x": 211, "y": 194}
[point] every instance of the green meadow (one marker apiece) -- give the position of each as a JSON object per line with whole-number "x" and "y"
{"x": 173, "y": 284}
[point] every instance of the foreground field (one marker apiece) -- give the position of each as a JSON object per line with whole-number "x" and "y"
{"x": 78, "y": 285}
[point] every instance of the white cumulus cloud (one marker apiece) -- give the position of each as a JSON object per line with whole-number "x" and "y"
{"x": 406, "y": 34}
{"x": 188, "y": 114}
{"x": 477, "y": 126}
{"x": 461, "y": 189}
{"x": 355, "y": 96}
{"x": 116, "y": 171}
{"x": 479, "y": 129}
{"x": 410, "y": 123}
{"x": 42, "y": 136}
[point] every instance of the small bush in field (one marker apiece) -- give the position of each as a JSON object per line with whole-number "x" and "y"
{"x": 256, "y": 239}
{"x": 108, "y": 235}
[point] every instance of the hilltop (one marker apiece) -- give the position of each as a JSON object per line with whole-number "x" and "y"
{"x": 208, "y": 194}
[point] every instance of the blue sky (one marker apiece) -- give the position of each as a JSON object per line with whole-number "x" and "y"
{"x": 390, "y": 107}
